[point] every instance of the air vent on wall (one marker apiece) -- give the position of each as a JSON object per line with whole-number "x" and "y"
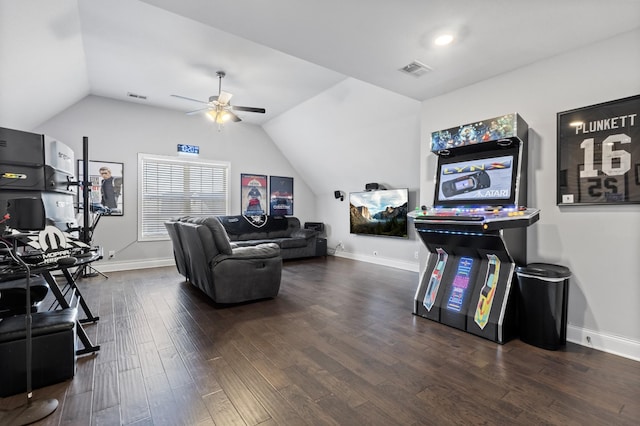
{"x": 416, "y": 69}
{"x": 134, "y": 95}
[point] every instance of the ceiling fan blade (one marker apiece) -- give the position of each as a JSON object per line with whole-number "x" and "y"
{"x": 233, "y": 116}
{"x": 189, "y": 99}
{"x": 224, "y": 98}
{"x": 248, "y": 109}
{"x": 196, "y": 111}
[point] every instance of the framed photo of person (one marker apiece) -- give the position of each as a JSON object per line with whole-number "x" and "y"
{"x": 106, "y": 195}
{"x": 599, "y": 154}
{"x": 253, "y": 194}
{"x": 281, "y": 196}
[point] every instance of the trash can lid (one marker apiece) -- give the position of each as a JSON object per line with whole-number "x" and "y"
{"x": 544, "y": 270}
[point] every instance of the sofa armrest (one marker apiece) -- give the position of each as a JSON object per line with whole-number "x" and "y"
{"x": 304, "y": 233}
{"x": 260, "y": 251}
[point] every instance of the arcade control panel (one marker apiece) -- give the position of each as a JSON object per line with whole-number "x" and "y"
{"x": 489, "y": 218}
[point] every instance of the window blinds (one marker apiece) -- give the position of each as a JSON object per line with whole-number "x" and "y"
{"x": 171, "y": 187}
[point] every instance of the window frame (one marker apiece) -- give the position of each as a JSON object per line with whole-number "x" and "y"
{"x": 146, "y": 159}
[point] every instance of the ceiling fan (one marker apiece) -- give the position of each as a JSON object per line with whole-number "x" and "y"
{"x": 219, "y": 108}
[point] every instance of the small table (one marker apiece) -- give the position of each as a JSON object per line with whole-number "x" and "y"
{"x": 60, "y": 290}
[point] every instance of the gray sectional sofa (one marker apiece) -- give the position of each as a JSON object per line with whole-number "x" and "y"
{"x": 286, "y": 231}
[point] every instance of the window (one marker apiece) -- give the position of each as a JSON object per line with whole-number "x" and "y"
{"x": 171, "y": 187}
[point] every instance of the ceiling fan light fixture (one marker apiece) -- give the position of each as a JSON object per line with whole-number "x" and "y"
{"x": 212, "y": 115}
{"x": 219, "y": 117}
{"x": 223, "y": 117}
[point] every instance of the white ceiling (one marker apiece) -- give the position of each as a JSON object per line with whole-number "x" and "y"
{"x": 276, "y": 53}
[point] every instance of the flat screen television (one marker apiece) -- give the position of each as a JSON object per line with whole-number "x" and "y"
{"x": 382, "y": 212}
{"x": 478, "y": 179}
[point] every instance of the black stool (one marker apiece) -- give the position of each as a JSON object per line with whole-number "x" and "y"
{"x": 54, "y": 350}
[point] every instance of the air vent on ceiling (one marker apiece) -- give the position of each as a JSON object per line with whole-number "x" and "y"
{"x": 416, "y": 69}
{"x": 134, "y": 95}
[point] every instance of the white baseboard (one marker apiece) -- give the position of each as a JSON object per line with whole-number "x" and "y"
{"x": 106, "y": 265}
{"x": 393, "y": 263}
{"x": 609, "y": 343}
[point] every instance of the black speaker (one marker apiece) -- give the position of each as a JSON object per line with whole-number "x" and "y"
{"x": 26, "y": 214}
{"x": 373, "y": 186}
{"x": 315, "y": 226}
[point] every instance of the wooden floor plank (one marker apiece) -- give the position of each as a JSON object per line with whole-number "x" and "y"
{"x": 222, "y": 410}
{"x": 241, "y": 397}
{"x": 133, "y": 396}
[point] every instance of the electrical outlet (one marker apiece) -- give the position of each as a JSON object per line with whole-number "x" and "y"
{"x": 112, "y": 254}
{"x": 375, "y": 252}
{"x": 416, "y": 254}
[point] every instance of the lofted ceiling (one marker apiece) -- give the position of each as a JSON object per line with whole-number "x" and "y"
{"x": 277, "y": 53}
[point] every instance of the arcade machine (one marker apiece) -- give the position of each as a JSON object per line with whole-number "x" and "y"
{"x": 476, "y": 230}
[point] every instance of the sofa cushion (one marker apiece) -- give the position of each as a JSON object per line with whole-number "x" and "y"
{"x": 246, "y": 228}
{"x": 261, "y": 251}
{"x": 304, "y": 233}
{"x": 251, "y": 236}
{"x": 286, "y": 243}
{"x": 219, "y": 234}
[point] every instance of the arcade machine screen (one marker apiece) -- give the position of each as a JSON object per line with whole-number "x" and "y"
{"x": 478, "y": 180}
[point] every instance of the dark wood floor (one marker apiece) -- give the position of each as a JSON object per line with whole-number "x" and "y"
{"x": 338, "y": 346}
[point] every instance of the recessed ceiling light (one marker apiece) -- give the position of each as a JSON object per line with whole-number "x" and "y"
{"x": 443, "y": 40}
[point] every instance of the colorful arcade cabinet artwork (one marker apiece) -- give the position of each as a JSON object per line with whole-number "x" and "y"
{"x": 476, "y": 229}
{"x": 436, "y": 277}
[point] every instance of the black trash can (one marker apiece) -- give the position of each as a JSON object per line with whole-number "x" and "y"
{"x": 542, "y": 304}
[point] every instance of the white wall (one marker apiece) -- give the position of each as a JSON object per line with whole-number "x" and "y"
{"x": 600, "y": 244}
{"x": 350, "y": 135}
{"x": 118, "y": 131}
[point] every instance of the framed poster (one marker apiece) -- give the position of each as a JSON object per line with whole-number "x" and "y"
{"x": 253, "y": 192}
{"x": 106, "y": 194}
{"x": 281, "y": 196}
{"x": 599, "y": 154}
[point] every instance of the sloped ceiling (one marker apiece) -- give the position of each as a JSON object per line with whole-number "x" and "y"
{"x": 43, "y": 68}
{"x": 277, "y": 53}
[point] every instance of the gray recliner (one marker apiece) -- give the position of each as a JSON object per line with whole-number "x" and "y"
{"x": 178, "y": 250}
{"x": 226, "y": 274}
